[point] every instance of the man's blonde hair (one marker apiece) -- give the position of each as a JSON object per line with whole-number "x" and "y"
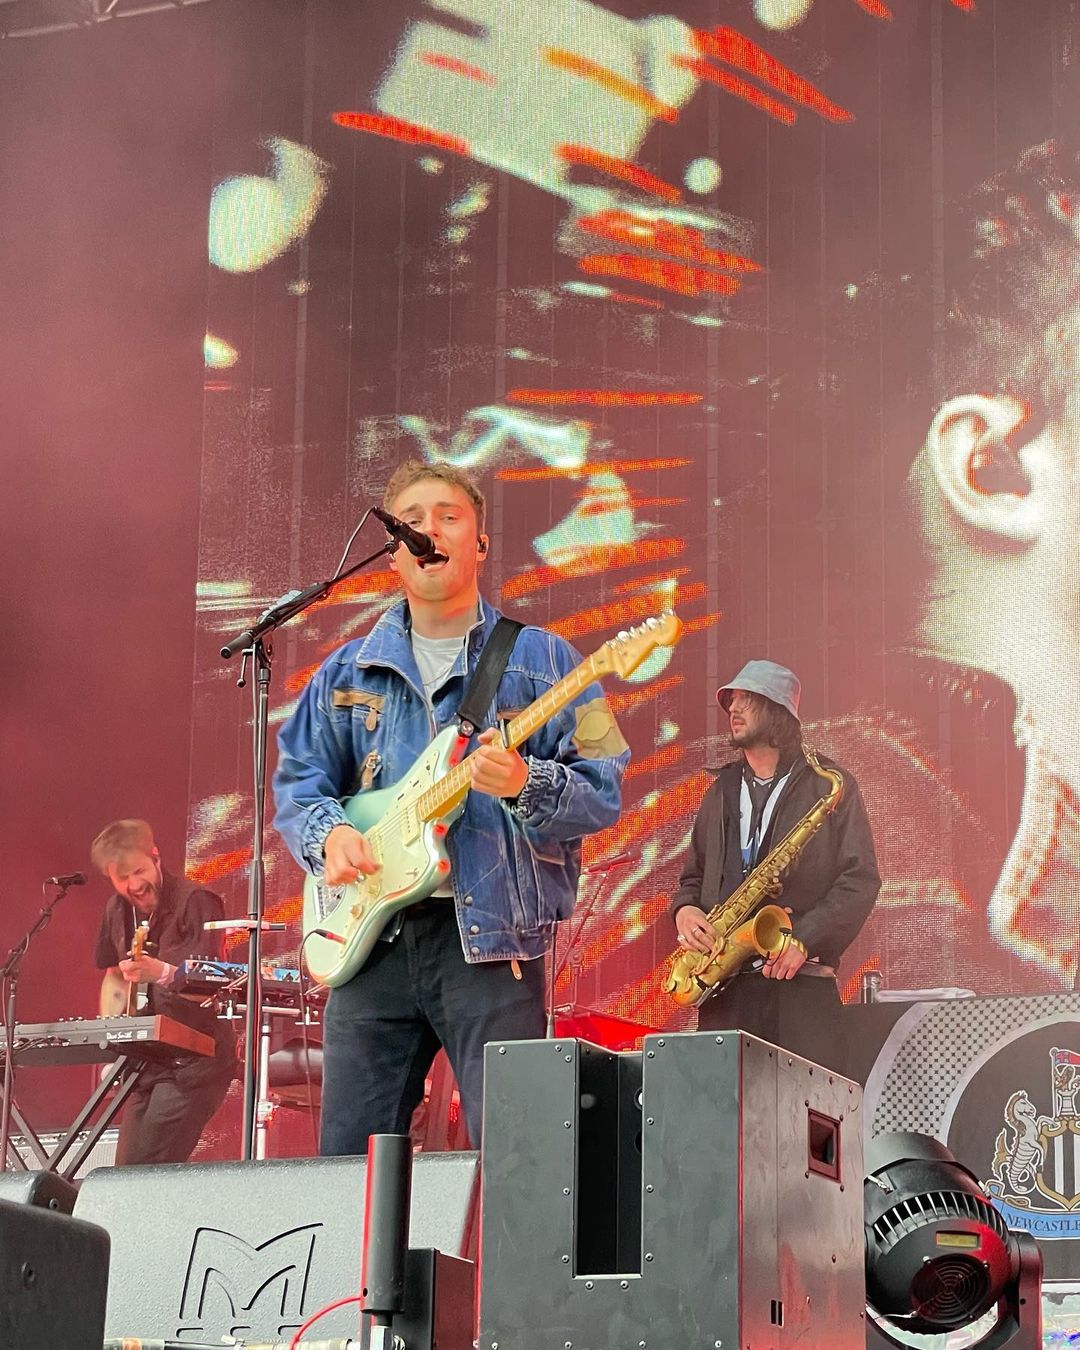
{"x": 120, "y": 839}
{"x": 417, "y": 470}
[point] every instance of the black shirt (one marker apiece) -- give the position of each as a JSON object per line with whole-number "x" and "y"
{"x": 176, "y": 933}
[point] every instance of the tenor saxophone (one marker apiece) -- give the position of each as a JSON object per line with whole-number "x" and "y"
{"x": 746, "y": 925}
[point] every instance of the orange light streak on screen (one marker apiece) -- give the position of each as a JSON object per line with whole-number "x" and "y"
{"x": 220, "y": 865}
{"x": 677, "y": 241}
{"x": 581, "y": 471}
{"x": 611, "y": 80}
{"x": 735, "y": 84}
{"x": 602, "y": 398}
{"x": 286, "y": 911}
{"x": 655, "y": 580}
{"x": 662, "y": 759}
{"x": 603, "y": 558}
{"x": 397, "y": 129}
{"x": 876, "y": 8}
{"x": 457, "y": 67}
{"x": 634, "y": 698}
{"x": 677, "y": 277}
{"x": 671, "y": 803}
{"x": 586, "y": 157}
{"x": 625, "y": 298}
{"x": 616, "y": 613}
{"x": 734, "y": 49}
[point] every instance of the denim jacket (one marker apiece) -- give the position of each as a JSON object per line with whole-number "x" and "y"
{"x": 362, "y": 722}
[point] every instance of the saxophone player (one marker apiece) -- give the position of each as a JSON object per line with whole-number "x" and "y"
{"x": 790, "y": 999}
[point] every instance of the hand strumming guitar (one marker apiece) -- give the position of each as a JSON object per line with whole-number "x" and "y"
{"x": 348, "y": 856}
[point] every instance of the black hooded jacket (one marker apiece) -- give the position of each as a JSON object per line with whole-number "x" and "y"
{"x": 832, "y": 887}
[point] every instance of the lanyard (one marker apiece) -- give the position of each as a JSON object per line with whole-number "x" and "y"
{"x": 754, "y": 824}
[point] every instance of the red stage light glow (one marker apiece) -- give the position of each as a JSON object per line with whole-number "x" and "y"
{"x": 220, "y": 865}
{"x": 634, "y": 698}
{"x": 662, "y": 759}
{"x": 583, "y": 470}
{"x": 734, "y": 49}
{"x": 609, "y": 80}
{"x": 586, "y": 157}
{"x": 677, "y": 277}
{"x": 735, "y": 84}
{"x": 606, "y": 557}
{"x": 396, "y": 128}
{"x": 677, "y": 241}
{"x": 602, "y": 398}
{"x": 624, "y": 298}
{"x": 618, "y": 613}
{"x": 457, "y": 67}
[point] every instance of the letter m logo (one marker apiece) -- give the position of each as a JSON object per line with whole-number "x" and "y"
{"x": 228, "y": 1276}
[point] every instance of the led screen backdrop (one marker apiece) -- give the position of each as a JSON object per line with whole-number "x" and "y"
{"x": 765, "y": 311}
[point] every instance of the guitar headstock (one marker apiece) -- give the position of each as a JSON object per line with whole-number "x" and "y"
{"x": 624, "y": 653}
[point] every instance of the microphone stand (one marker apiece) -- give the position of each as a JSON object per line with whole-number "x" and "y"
{"x": 9, "y": 980}
{"x": 604, "y": 869}
{"x": 257, "y": 647}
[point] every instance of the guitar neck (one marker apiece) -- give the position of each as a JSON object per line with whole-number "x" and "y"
{"x": 448, "y": 791}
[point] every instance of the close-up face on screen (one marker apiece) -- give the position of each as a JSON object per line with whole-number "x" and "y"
{"x": 765, "y": 313}
{"x": 543, "y": 627}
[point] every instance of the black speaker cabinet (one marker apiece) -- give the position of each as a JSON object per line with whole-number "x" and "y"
{"x": 207, "y": 1250}
{"x": 54, "y": 1272}
{"x": 38, "y": 1188}
{"x": 704, "y": 1192}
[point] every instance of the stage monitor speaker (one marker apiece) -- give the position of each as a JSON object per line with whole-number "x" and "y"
{"x": 704, "y": 1192}
{"x": 203, "y": 1251}
{"x": 46, "y": 1189}
{"x": 54, "y": 1272}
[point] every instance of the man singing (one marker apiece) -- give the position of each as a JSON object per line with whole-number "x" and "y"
{"x": 790, "y": 999}
{"x": 463, "y": 967}
{"x": 171, "y": 1102}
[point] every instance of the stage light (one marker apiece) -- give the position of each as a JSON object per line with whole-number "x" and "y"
{"x": 939, "y": 1256}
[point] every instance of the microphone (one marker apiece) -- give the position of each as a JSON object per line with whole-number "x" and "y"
{"x": 420, "y": 545}
{"x": 72, "y": 879}
{"x": 619, "y": 860}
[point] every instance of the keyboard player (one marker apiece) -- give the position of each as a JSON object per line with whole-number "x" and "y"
{"x": 173, "y": 1101}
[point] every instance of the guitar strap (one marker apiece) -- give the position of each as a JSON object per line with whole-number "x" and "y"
{"x": 485, "y": 678}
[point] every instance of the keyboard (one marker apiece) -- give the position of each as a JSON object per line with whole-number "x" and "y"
{"x": 96, "y": 1040}
{"x": 280, "y": 984}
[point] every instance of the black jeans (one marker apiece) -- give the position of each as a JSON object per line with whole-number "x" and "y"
{"x": 169, "y": 1108}
{"x": 800, "y": 1015}
{"x": 383, "y": 1029}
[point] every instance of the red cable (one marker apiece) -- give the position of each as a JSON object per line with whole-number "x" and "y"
{"x": 315, "y": 1316}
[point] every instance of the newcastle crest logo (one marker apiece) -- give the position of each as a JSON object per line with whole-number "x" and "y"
{"x": 1036, "y": 1164}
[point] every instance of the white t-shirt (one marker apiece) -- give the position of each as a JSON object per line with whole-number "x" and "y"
{"x": 435, "y": 659}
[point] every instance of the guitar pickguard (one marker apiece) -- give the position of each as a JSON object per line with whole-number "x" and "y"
{"x": 412, "y": 863}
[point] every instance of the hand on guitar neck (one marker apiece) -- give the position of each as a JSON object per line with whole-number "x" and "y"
{"x": 139, "y": 970}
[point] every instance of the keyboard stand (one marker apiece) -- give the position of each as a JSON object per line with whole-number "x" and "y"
{"x": 15, "y": 1162}
{"x": 123, "y": 1075}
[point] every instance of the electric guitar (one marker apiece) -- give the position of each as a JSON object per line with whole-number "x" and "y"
{"x": 405, "y": 825}
{"x": 137, "y": 997}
